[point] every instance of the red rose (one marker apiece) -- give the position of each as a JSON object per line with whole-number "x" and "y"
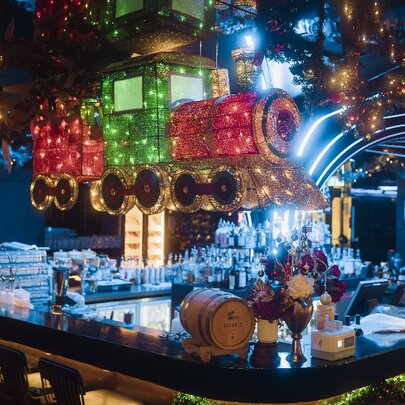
{"x": 336, "y": 296}
{"x": 322, "y": 261}
{"x": 337, "y": 291}
{"x": 335, "y": 271}
{"x": 306, "y": 265}
{"x": 342, "y": 286}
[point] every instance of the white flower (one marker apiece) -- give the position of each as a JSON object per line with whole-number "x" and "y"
{"x": 300, "y": 287}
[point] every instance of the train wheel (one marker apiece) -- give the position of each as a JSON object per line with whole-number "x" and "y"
{"x": 229, "y": 188}
{"x": 66, "y": 192}
{"x": 151, "y": 189}
{"x": 113, "y": 196}
{"x": 95, "y": 196}
{"x": 41, "y": 198}
{"x": 183, "y": 190}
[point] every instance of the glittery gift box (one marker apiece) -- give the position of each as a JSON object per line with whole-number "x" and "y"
{"x": 93, "y": 158}
{"x": 151, "y": 26}
{"x": 41, "y": 161}
{"x": 145, "y": 129}
{"x": 116, "y": 154}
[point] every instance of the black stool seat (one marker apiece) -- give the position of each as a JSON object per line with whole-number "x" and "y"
{"x": 68, "y": 389}
{"x": 16, "y": 381}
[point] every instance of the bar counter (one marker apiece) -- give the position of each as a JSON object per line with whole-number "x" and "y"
{"x": 145, "y": 354}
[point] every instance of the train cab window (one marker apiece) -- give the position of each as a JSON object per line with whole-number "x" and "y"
{"x": 128, "y": 94}
{"x": 124, "y": 7}
{"x": 192, "y": 8}
{"x": 185, "y": 88}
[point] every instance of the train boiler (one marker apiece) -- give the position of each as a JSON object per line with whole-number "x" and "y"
{"x": 235, "y": 151}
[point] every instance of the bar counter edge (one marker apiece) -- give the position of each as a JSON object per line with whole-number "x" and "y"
{"x": 146, "y": 355}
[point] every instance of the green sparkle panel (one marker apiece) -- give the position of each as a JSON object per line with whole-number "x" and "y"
{"x": 192, "y": 8}
{"x": 116, "y": 154}
{"x": 128, "y": 94}
{"x": 124, "y": 7}
{"x": 185, "y": 88}
{"x": 139, "y": 136}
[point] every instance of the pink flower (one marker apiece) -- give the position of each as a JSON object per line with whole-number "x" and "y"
{"x": 263, "y": 296}
{"x": 267, "y": 303}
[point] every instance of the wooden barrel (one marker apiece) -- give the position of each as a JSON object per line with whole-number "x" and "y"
{"x": 216, "y": 318}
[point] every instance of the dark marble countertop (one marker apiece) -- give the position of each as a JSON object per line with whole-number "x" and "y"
{"x": 145, "y": 354}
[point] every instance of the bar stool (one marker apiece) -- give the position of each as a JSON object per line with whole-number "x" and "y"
{"x": 16, "y": 379}
{"x": 68, "y": 389}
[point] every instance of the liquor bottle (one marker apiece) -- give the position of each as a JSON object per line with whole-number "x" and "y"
{"x": 84, "y": 276}
{"x": 218, "y": 233}
{"x": 209, "y": 271}
{"x": 223, "y": 236}
{"x": 242, "y": 277}
{"x": 121, "y": 270}
{"x": 185, "y": 266}
{"x": 137, "y": 271}
{"x": 232, "y": 274}
{"x": 247, "y": 267}
{"x": 251, "y": 238}
{"x": 202, "y": 273}
{"x": 227, "y": 265}
{"x": 237, "y": 276}
{"x": 358, "y": 264}
{"x": 179, "y": 261}
{"x": 129, "y": 269}
{"x": 145, "y": 272}
{"x": 168, "y": 273}
{"x": 217, "y": 269}
{"x": 261, "y": 237}
{"x": 231, "y": 237}
{"x": 348, "y": 262}
{"x": 114, "y": 271}
{"x": 242, "y": 235}
{"x": 268, "y": 233}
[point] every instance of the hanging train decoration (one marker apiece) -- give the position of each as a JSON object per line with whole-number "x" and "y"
{"x": 168, "y": 144}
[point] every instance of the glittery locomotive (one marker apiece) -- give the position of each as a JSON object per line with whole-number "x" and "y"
{"x": 168, "y": 143}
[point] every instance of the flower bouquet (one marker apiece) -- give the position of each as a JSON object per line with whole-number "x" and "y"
{"x": 269, "y": 303}
{"x": 294, "y": 273}
{"x": 302, "y": 271}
